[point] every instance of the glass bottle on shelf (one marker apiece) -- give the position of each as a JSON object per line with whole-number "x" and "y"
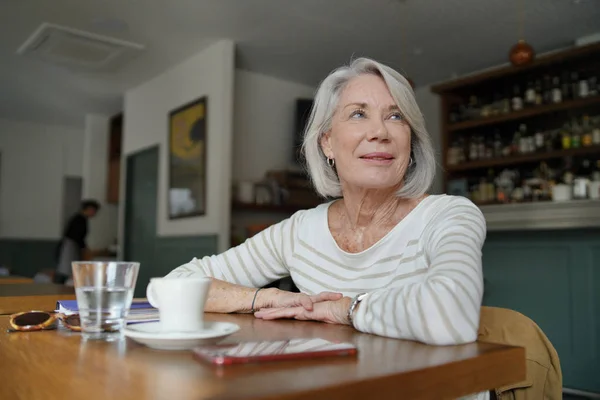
{"x": 517, "y": 99}
{"x": 596, "y": 131}
{"x": 575, "y": 85}
{"x": 556, "y": 92}
{"x": 565, "y": 87}
{"x": 514, "y": 148}
{"x": 584, "y": 89}
{"x": 496, "y": 106}
{"x": 550, "y": 140}
{"x": 473, "y": 110}
{"x": 489, "y": 147}
{"x": 486, "y": 107}
{"x": 581, "y": 180}
{"x": 586, "y": 128}
{"x": 506, "y": 102}
{"x": 539, "y": 140}
{"x": 497, "y": 144}
{"x": 530, "y": 93}
{"x": 480, "y": 148}
{"x": 565, "y": 134}
{"x": 539, "y": 96}
{"x": 473, "y": 149}
{"x": 547, "y": 96}
{"x": 576, "y": 134}
{"x": 523, "y": 139}
{"x": 567, "y": 175}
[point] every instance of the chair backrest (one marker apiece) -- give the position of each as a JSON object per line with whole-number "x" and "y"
{"x": 544, "y": 376}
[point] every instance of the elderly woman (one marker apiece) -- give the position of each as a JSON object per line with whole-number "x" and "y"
{"x": 384, "y": 256}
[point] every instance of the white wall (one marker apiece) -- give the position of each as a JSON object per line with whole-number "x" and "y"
{"x": 35, "y": 160}
{"x": 209, "y": 73}
{"x": 263, "y": 123}
{"x": 102, "y": 228}
{"x": 429, "y": 103}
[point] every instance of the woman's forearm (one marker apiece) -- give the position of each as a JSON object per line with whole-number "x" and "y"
{"x": 225, "y": 297}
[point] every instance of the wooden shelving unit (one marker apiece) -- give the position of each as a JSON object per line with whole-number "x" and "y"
{"x": 554, "y": 119}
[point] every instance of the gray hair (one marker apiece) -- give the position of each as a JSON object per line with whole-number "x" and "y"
{"x": 420, "y": 173}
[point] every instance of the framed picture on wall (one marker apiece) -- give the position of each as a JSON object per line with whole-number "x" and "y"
{"x": 187, "y": 160}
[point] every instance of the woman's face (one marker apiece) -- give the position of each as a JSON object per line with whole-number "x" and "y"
{"x": 369, "y": 138}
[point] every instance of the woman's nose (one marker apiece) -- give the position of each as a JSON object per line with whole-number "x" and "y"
{"x": 378, "y": 131}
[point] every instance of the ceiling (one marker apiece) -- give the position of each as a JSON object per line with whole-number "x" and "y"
{"x": 298, "y": 40}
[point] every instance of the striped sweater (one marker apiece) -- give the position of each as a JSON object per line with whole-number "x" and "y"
{"x": 424, "y": 277}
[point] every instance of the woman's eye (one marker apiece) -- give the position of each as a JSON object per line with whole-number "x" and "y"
{"x": 397, "y": 117}
{"x": 357, "y": 114}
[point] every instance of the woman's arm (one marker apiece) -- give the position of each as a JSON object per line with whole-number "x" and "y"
{"x": 239, "y": 271}
{"x": 444, "y": 309}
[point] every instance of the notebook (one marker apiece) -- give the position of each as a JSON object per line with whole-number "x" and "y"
{"x": 140, "y": 311}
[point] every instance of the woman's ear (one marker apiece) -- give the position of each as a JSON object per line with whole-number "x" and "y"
{"x": 325, "y": 143}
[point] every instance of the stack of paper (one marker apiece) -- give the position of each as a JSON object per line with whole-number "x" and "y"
{"x": 140, "y": 311}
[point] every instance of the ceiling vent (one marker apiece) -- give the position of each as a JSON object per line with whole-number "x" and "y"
{"x": 75, "y": 49}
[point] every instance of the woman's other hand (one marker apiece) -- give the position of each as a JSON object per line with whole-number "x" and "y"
{"x": 278, "y": 299}
{"x": 333, "y": 311}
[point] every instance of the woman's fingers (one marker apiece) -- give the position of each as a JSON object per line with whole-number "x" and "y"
{"x": 326, "y": 296}
{"x": 276, "y": 313}
{"x": 306, "y": 302}
{"x": 288, "y": 299}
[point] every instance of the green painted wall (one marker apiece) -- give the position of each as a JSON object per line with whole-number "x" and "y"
{"x": 26, "y": 257}
{"x": 553, "y": 277}
{"x": 169, "y": 253}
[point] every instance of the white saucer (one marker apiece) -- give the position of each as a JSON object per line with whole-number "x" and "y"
{"x": 149, "y": 334}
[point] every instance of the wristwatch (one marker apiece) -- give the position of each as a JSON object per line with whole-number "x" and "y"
{"x": 357, "y": 299}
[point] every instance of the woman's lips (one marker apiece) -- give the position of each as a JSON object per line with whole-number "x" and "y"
{"x": 378, "y": 158}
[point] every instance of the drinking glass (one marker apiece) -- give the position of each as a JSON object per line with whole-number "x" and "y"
{"x": 104, "y": 291}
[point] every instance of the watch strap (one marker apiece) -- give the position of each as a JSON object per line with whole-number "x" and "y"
{"x": 357, "y": 299}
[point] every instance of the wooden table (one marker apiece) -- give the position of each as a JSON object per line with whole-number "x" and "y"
{"x": 58, "y": 365}
{"x": 32, "y": 296}
{"x": 11, "y": 279}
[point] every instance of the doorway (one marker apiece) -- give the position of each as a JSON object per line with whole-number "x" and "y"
{"x": 141, "y": 190}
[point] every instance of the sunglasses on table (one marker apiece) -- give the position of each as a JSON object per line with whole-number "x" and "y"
{"x": 42, "y": 320}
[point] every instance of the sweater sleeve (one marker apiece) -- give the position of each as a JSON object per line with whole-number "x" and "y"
{"x": 258, "y": 261}
{"x": 443, "y": 309}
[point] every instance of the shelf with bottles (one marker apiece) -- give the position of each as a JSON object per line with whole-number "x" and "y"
{"x": 569, "y": 178}
{"x": 577, "y": 136}
{"x": 519, "y": 100}
{"x": 525, "y": 113}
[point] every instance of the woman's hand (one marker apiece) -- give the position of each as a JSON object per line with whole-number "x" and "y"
{"x": 273, "y": 298}
{"x": 329, "y": 311}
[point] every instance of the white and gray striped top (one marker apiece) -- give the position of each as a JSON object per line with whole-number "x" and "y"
{"x": 424, "y": 277}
